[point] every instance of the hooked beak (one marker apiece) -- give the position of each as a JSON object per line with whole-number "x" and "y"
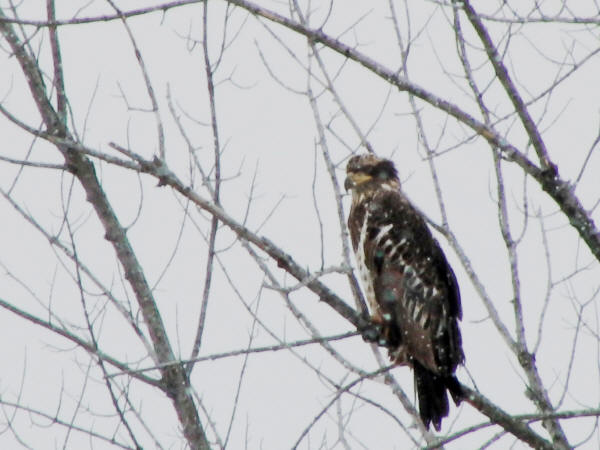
{"x": 348, "y": 183}
{"x": 356, "y": 178}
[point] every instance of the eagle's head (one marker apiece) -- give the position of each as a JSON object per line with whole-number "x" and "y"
{"x": 368, "y": 173}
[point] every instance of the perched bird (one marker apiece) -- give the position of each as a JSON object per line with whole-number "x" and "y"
{"x": 411, "y": 290}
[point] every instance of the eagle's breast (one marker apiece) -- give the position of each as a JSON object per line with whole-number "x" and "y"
{"x": 361, "y": 262}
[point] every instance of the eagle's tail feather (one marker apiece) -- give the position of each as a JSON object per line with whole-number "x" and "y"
{"x": 454, "y": 388}
{"x": 432, "y": 396}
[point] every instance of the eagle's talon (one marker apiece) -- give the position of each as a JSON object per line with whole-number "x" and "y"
{"x": 371, "y": 333}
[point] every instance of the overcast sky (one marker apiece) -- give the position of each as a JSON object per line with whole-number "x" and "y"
{"x": 275, "y": 182}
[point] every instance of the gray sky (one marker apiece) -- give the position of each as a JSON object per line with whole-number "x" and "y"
{"x": 270, "y": 145}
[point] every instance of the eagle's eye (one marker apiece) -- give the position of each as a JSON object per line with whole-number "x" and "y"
{"x": 385, "y": 170}
{"x": 383, "y": 175}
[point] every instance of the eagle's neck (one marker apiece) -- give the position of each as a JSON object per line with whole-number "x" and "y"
{"x": 366, "y": 193}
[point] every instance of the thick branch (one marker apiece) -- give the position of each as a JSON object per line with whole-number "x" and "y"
{"x": 175, "y": 383}
{"x": 59, "y": 82}
{"x": 505, "y": 420}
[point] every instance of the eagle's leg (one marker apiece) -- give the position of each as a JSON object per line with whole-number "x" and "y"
{"x": 388, "y": 336}
{"x": 373, "y": 331}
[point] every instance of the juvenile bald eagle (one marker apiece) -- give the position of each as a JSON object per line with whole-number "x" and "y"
{"x": 410, "y": 287}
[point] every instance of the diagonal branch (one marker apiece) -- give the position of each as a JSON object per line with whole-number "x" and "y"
{"x": 157, "y": 169}
{"x": 166, "y": 177}
{"x": 546, "y": 176}
{"x": 505, "y": 79}
{"x": 505, "y": 420}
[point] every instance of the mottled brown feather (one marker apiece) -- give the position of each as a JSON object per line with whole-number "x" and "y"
{"x": 411, "y": 289}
